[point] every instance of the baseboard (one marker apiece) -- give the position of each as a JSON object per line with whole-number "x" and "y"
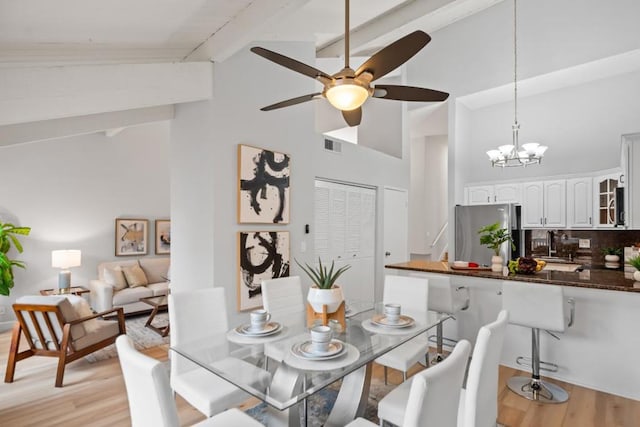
{"x": 6, "y": 326}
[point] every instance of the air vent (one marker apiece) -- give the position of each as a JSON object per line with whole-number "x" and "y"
{"x": 333, "y": 146}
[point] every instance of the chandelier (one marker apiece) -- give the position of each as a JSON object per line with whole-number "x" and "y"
{"x": 512, "y": 155}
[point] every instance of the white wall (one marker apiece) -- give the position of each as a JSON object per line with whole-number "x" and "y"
{"x": 581, "y": 125}
{"x": 204, "y": 141}
{"x": 428, "y": 195}
{"x": 70, "y": 190}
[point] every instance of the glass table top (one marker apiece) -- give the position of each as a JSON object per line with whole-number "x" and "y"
{"x": 284, "y": 344}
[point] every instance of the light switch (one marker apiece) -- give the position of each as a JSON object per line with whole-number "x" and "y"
{"x": 584, "y": 243}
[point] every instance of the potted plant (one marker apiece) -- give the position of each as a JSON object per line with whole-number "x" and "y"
{"x": 492, "y": 236}
{"x": 634, "y": 261}
{"x": 612, "y": 254}
{"x": 324, "y": 290}
{"x": 8, "y": 240}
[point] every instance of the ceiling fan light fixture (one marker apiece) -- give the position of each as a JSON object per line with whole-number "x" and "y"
{"x": 347, "y": 95}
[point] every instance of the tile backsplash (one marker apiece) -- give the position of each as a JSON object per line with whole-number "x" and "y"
{"x": 565, "y": 243}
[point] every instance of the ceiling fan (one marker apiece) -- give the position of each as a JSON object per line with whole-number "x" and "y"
{"x": 347, "y": 89}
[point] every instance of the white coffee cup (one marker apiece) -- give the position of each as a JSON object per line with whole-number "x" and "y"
{"x": 259, "y": 319}
{"x": 320, "y": 338}
{"x": 392, "y": 312}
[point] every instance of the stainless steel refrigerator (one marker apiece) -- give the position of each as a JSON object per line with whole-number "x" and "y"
{"x": 469, "y": 219}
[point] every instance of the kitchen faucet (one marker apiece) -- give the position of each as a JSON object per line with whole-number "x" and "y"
{"x": 550, "y": 242}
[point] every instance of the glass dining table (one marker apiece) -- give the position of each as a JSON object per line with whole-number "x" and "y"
{"x": 295, "y": 374}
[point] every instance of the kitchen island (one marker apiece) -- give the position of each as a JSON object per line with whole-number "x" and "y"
{"x": 593, "y": 278}
{"x": 600, "y": 351}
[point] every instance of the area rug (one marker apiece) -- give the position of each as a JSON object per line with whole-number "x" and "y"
{"x": 320, "y": 404}
{"x": 141, "y": 336}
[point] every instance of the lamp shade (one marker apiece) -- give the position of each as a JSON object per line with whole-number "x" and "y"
{"x": 65, "y": 258}
{"x": 347, "y": 97}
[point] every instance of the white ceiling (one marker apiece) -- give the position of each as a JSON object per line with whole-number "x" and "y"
{"x": 125, "y": 31}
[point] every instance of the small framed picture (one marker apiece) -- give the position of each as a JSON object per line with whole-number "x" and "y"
{"x": 132, "y": 236}
{"x": 163, "y": 236}
{"x": 262, "y": 255}
{"x": 263, "y": 186}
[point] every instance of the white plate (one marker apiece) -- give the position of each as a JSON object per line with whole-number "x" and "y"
{"x": 269, "y": 329}
{"x": 403, "y": 321}
{"x": 303, "y": 350}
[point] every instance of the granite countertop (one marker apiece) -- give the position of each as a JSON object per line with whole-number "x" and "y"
{"x": 594, "y": 278}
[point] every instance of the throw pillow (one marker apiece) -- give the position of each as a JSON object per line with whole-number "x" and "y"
{"x": 113, "y": 277}
{"x": 82, "y": 309}
{"x": 135, "y": 276}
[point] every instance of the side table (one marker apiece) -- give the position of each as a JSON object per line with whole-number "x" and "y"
{"x": 74, "y": 290}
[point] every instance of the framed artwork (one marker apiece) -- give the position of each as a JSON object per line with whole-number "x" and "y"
{"x": 132, "y": 236}
{"x": 263, "y": 186}
{"x": 163, "y": 236}
{"x": 261, "y": 255}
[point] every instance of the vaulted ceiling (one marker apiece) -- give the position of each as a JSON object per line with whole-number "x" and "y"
{"x": 126, "y": 31}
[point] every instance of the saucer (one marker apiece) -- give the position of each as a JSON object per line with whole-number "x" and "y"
{"x": 305, "y": 350}
{"x": 403, "y": 321}
{"x": 269, "y": 329}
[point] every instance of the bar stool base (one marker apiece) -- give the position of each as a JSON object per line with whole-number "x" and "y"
{"x": 537, "y": 390}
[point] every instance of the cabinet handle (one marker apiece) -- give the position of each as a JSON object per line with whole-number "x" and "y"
{"x": 488, "y": 199}
{"x": 621, "y": 179}
{"x": 540, "y": 221}
{"x": 495, "y": 198}
{"x": 545, "y": 221}
{"x": 589, "y": 220}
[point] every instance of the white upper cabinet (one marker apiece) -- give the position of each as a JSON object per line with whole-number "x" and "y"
{"x": 532, "y": 205}
{"x": 507, "y": 193}
{"x": 579, "y": 203}
{"x": 555, "y": 204}
{"x": 491, "y": 194}
{"x": 544, "y": 204}
{"x": 604, "y": 193}
{"x": 479, "y": 194}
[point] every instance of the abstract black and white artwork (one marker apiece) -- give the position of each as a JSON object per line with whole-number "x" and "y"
{"x": 263, "y": 189}
{"x": 262, "y": 255}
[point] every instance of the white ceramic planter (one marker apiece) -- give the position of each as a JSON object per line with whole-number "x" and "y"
{"x": 496, "y": 263}
{"x": 331, "y": 297}
{"x": 636, "y": 276}
{"x": 612, "y": 258}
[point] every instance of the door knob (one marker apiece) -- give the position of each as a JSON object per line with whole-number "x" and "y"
{"x": 387, "y": 254}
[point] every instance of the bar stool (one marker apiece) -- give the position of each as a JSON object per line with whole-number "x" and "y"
{"x": 536, "y": 306}
{"x": 444, "y": 298}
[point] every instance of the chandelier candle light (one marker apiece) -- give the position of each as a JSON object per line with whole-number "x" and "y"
{"x": 510, "y": 155}
{"x": 65, "y": 259}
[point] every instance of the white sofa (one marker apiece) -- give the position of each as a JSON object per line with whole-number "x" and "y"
{"x": 106, "y": 295}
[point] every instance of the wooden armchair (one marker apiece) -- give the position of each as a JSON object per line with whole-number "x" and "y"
{"x": 53, "y": 327}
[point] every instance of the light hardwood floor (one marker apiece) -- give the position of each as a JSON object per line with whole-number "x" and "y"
{"x": 94, "y": 395}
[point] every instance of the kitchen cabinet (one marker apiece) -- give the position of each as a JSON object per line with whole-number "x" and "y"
{"x": 492, "y": 194}
{"x": 605, "y": 199}
{"x": 580, "y": 203}
{"x": 544, "y": 204}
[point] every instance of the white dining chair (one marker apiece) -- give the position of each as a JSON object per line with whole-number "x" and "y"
{"x": 151, "y": 402}
{"x": 412, "y": 293}
{"x": 282, "y": 297}
{"x": 430, "y": 398}
{"x": 195, "y": 316}
{"x": 479, "y": 400}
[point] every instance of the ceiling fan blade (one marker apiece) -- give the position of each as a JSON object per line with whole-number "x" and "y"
{"x": 394, "y": 55}
{"x": 290, "y": 63}
{"x": 409, "y": 93}
{"x": 290, "y": 102}
{"x": 353, "y": 117}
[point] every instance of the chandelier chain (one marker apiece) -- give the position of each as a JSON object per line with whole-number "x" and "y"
{"x": 515, "y": 59}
